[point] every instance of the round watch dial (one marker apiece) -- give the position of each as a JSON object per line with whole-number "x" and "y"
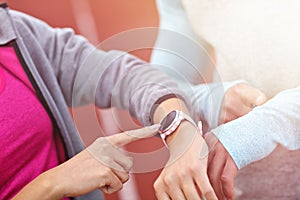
{"x": 168, "y": 121}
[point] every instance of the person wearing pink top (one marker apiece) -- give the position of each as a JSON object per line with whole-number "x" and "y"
{"x": 43, "y": 72}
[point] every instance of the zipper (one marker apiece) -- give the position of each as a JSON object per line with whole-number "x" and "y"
{"x": 41, "y": 98}
{"x": 3, "y": 5}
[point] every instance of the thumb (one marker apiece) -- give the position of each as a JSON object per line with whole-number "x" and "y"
{"x": 127, "y": 137}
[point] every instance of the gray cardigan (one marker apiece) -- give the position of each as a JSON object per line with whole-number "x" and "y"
{"x": 66, "y": 70}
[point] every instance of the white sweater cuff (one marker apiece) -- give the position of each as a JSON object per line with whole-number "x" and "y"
{"x": 255, "y": 135}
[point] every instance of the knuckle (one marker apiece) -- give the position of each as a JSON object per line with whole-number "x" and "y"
{"x": 234, "y": 90}
{"x": 105, "y": 146}
{"x": 106, "y": 160}
{"x": 125, "y": 177}
{"x": 194, "y": 168}
{"x": 119, "y": 187}
{"x": 209, "y": 194}
{"x": 115, "y": 189}
{"x": 99, "y": 140}
{"x": 229, "y": 102}
{"x": 182, "y": 175}
{"x": 225, "y": 179}
{"x": 130, "y": 163}
{"x": 169, "y": 179}
{"x": 158, "y": 184}
{"x": 261, "y": 98}
{"x": 105, "y": 173}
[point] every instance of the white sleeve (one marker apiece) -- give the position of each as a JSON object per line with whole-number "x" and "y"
{"x": 180, "y": 54}
{"x": 207, "y": 100}
{"x": 254, "y": 136}
{"x": 177, "y": 49}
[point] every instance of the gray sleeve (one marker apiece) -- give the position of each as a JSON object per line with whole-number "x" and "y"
{"x": 89, "y": 75}
{"x": 255, "y": 135}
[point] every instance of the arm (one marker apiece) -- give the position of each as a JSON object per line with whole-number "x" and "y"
{"x": 275, "y": 122}
{"x": 253, "y": 137}
{"x": 100, "y": 166}
{"x": 186, "y": 60}
{"x": 189, "y": 63}
{"x": 119, "y": 79}
{"x": 87, "y": 75}
{"x": 185, "y": 173}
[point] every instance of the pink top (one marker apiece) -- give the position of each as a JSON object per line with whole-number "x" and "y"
{"x": 26, "y": 133}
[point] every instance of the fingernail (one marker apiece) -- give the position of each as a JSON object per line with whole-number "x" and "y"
{"x": 200, "y": 124}
{"x": 154, "y": 126}
{"x": 261, "y": 99}
{"x": 200, "y": 127}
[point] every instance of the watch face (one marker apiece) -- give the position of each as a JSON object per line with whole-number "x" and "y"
{"x": 167, "y": 121}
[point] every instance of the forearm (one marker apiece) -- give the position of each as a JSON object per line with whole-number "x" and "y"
{"x": 206, "y": 100}
{"x": 255, "y": 135}
{"x": 42, "y": 187}
{"x": 187, "y": 164}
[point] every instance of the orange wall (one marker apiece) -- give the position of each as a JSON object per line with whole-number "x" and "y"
{"x": 111, "y": 16}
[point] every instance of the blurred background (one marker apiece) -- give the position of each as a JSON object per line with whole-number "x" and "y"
{"x": 98, "y": 21}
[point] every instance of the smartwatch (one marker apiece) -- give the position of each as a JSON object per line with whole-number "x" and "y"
{"x": 171, "y": 122}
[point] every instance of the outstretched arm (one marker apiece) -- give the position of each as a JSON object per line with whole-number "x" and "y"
{"x": 253, "y": 137}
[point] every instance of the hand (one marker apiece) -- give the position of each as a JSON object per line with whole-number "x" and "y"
{"x": 239, "y": 100}
{"x": 186, "y": 170}
{"x": 221, "y": 168}
{"x": 100, "y": 166}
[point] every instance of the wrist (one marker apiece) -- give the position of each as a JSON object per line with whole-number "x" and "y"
{"x": 42, "y": 187}
{"x": 166, "y": 107}
{"x": 50, "y": 184}
{"x": 182, "y": 138}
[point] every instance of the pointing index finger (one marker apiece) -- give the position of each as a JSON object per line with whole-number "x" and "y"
{"x": 127, "y": 137}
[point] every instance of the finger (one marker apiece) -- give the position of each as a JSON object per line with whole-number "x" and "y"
{"x": 107, "y": 154}
{"x": 126, "y": 137}
{"x": 204, "y": 185}
{"x": 124, "y": 161}
{"x": 229, "y": 173}
{"x": 189, "y": 190}
{"x": 200, "y": 127}
{"x": 211, "y": 141}
{"x": 162, "y": 196}
{"x": 123, "y": 176}
{"x": 172, "y": 186}
{"x": 201, "y": 179}
{"x": 175, "y": 193}
{"x": 215, "y": 171}
{"x": 205, "y": 149}
{"x": 112, "y": 184}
